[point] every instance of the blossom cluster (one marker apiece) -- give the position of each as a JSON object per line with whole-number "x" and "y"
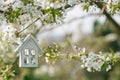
{"x": 98, "y": 62}
{"x": 92, "y": 61}
{"x": 24, "y": 12}
{"x": 89, "y": 60}
{"x": 8, "y": 40}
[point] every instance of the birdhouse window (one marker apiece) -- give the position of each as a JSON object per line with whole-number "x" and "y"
{"x": 26, "y": 60}
{"x": 33, "y": 52}
{"x": 29, "y": 57}
{"x": 33, "y": 60}
{"x": 27, "y": 52}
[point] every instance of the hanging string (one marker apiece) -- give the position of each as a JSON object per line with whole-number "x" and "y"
{"x": 29, "y": 25}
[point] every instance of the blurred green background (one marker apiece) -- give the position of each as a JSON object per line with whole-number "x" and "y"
{"x": 101, "y": 39}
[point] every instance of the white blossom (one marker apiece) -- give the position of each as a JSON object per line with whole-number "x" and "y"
{"x": 108, "y": 59}
{"x": 108, "y": 67}
{"x": 92, "y": 61}
{"x": 17, "y": 4}
{"x": 7, "y": 2}
{"x": 46, "y": 59}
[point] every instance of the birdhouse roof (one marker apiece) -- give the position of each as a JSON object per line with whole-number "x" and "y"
{"x": 20, "y": 47}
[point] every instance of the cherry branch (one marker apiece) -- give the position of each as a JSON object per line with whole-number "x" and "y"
{"x": 70, "y": 21}
{"x": 115, "y": 26}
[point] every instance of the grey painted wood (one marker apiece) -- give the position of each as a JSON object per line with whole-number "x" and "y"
{"x": 29, "y": 52}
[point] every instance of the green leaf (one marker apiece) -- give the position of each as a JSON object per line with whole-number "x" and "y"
{"x": 27, "y": 1}
{"x": 53, "y": 14}
{"x": 72, "y": 56}
{"x": 16, "y": 34}
{"x": 114, "y": 8}
{"x": 14, "y": 14}
{"x": 113, "y": 54}
{"x": 106, "y": 56}
{"x": 104, "y": 66}
{"x": 58, "y": 13}
{"x": 86, "y": 7}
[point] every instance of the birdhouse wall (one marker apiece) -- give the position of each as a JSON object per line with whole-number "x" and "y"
{"x": 29, "y": 55}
